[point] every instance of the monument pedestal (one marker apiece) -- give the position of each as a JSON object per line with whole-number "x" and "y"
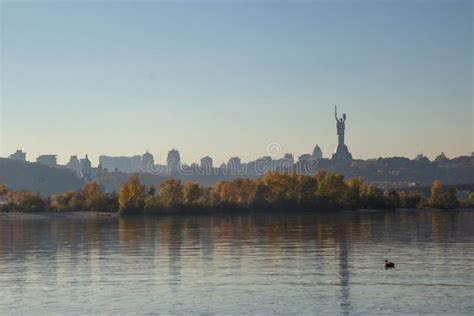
{"x": 342, "y": 153}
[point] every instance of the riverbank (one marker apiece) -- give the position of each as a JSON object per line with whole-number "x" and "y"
{"x": 49, "y": 215}
{"x": 101, "y": 215}
{"x": 273, "y": 192}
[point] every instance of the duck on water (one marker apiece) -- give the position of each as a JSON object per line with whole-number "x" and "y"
{"x": 389, "y": 264}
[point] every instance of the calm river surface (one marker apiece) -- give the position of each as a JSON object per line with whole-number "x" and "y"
{"x": 328, "y": 263}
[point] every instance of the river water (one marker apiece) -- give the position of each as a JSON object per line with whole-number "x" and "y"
{"x": 325, "y": 263}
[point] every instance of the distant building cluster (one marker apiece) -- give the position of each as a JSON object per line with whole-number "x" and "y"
{"x": 47, "y": 160}
{"x": 121, "y": 164}
{"x": 173, "y": 161}
{"x": 18, "y": 155}
{"x": 206, "y": 163}
{"x": 82, "y": 167}
{"x": 145, "y": 163}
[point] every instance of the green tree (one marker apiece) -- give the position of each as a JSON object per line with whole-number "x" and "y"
{"x": 450, "y": 198}
{"x": 305, "y": 190}
{"x": 372, "y": 197}
{"x": 331, "y": 188}
{"x": 131, "y": 196}
{"x": 257, "y": 195}
{"x": 352, "y": 197}
{"x": 153, "y": 204}
{"x": 152, "y": 190}
{"x": 411, "y": 200}
{"x": 392, "y": 199}
{"x": 192, "y": 193}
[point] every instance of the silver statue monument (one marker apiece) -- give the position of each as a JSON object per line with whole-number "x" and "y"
{"x": 342, "y": 153}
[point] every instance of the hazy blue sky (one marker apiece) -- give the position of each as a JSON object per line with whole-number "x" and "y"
{"x": 225, "y": 79}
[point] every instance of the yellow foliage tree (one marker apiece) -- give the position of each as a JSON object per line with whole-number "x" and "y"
{"x": 277, "y": 184}
{"x": 131, "y": 196}
{"x": 3, "y": 189}
{"x": 221, "y": 192}
{"x": 437, "y": 198}
{"x": 471, "y": 199}
{"x": 94, "y": 198}
{"x": 171, "y": 192}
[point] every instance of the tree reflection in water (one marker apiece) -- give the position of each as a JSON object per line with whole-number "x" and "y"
{"x": 292, "y": 261}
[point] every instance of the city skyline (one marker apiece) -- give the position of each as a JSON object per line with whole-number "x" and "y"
{"x": 274, "y": 150}
{"x": 271, "y": 74}
{"x": 162, "y": 158}
{"x": 236, "y": 157}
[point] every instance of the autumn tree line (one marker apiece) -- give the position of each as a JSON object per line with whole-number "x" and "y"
{"x": 273, "y": 192}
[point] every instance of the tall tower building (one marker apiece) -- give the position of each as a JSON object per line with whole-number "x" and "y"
{"x": 206, "y": 164}
{"x": 74, "y": 165}
{"x": 234, "y": 165}
{"x": 173, "y": 161}
{"x": 147, "y": 162}
{"x": 86, "y": 169}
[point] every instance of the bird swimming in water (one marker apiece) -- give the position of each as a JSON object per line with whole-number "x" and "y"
{"x": 389, "y": 264}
